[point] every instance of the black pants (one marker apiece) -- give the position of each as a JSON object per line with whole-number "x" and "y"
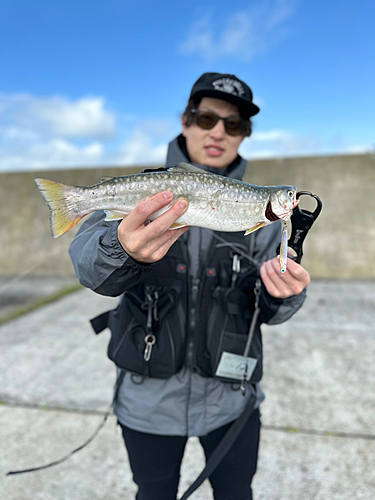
{"x": 155, "y": 462}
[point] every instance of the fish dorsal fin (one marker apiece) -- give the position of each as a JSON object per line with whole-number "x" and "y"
{"x": 186, "y": 168}
{"x": 105, "y": 179}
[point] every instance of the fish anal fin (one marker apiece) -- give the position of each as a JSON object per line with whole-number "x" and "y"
{"x": 114, "y": 215}
{"x": 254, "y": 228}
{"x": 177, "y": 225}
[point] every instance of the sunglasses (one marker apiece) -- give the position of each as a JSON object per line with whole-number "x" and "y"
{"x": 233, "y": 125}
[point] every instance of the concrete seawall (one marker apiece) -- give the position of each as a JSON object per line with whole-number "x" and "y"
{"x": 341, "y": 244}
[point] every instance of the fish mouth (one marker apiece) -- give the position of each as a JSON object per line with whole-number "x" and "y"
{"x": 269, "y": 214}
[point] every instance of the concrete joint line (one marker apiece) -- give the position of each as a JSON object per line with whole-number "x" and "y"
{"x": 285, "y": 429}
{"x": 27, "y": 406}
{"x": 315, "y": 432}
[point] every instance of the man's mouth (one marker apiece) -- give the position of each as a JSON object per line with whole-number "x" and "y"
{"x": 214, "y": 150}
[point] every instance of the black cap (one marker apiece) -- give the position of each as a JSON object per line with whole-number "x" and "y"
{"x": 228, "y": 88}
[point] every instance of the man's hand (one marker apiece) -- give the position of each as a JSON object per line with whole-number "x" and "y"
{"x": 149, "y": 243}
{"x": 282, "y": 286}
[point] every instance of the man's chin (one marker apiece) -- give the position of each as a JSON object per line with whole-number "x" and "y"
{"x": 216, "y": 163}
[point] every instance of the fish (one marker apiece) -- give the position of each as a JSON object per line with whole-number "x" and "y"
{"x": 215, "y": 202}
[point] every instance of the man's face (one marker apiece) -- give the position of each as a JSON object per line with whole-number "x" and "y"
{"x": 214, "y": 147}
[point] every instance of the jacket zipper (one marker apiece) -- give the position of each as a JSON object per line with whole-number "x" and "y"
{"x": 192, "y": 320}
{"x": 197, "y": 295}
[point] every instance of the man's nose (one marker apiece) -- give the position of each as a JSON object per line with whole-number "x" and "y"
{"x": 218, "y": 131}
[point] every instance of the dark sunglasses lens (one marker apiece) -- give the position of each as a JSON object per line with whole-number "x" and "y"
{"x": 206, "y": 120}
{"x": 234, "y": 127}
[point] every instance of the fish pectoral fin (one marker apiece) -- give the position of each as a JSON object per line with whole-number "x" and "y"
{"x": 254, "y": 228}
{"x": 177, "y": 225}
{"x": 114, "y": 215}
{"x": 187, "y": 168}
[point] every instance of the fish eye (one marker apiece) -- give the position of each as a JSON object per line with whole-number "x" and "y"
{"x": 290, "y": 194}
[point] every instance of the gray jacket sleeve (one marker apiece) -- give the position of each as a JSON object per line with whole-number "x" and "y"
{"x": 273, "y": 310}
{"x": 99, "y": 260}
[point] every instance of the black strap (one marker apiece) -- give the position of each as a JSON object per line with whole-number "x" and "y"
{"x": 222, "y": 448}
{"x": 99, "y": 323}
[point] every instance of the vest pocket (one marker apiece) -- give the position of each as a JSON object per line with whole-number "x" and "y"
{"x": 229, "y": 326}
{"x": 147, "y": 333}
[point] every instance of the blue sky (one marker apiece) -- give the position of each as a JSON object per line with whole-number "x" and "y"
{"x": 86, "y": 83}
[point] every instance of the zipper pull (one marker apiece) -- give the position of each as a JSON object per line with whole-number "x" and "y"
{"x": 195, "y": 287}
{"x": 236, "y": 268}
{"x": 149, "y": 341}
{"x": 149, "y": 316}
{"x": 155, "y": 306}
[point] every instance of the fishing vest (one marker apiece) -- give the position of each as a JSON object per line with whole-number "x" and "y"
{"x": 169, "y": 319}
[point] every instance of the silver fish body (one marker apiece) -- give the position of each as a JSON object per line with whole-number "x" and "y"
{"x": 215, "y": 202}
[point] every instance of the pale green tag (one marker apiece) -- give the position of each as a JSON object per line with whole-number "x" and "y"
{"x": 235, "y": 366}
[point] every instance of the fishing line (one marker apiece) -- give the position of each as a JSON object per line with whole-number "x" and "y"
{"x": 88, "y": 441}
{"x": 234, "y": 247}
{"x": 66, "y": 457}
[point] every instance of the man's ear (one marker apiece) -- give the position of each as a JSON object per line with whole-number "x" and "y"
{"x": 183, "y": 123}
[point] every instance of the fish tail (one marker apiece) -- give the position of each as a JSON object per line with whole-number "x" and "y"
{"x": 63, "y": 213}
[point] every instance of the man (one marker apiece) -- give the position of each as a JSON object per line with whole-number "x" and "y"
{"x": 179, "y": 285}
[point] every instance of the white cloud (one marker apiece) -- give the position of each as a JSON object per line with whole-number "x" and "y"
{"x": 246, "y": 33}
{"x": 56, "y": 116}
{"x": 141, "y": 147}
{"x": 278, "y": 142}
{"x": 42, "y": 133}
{"x": 50, "y": 154}
{"x": 360, "y": 149}
{"x": 26, "y": 143}
{"x": 284, "y": 143}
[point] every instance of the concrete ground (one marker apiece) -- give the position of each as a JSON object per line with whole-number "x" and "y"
{"x": 18, "y": 292}
{"x": 318, "y": 438}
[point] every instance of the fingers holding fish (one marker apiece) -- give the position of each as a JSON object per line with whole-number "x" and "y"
{"x": 144, "y": 210}
{"x": 149, "y": 243}
{"x": 285, "y": 285}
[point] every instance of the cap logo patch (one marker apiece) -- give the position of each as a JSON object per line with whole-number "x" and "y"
{"x": 229, "y": 86}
